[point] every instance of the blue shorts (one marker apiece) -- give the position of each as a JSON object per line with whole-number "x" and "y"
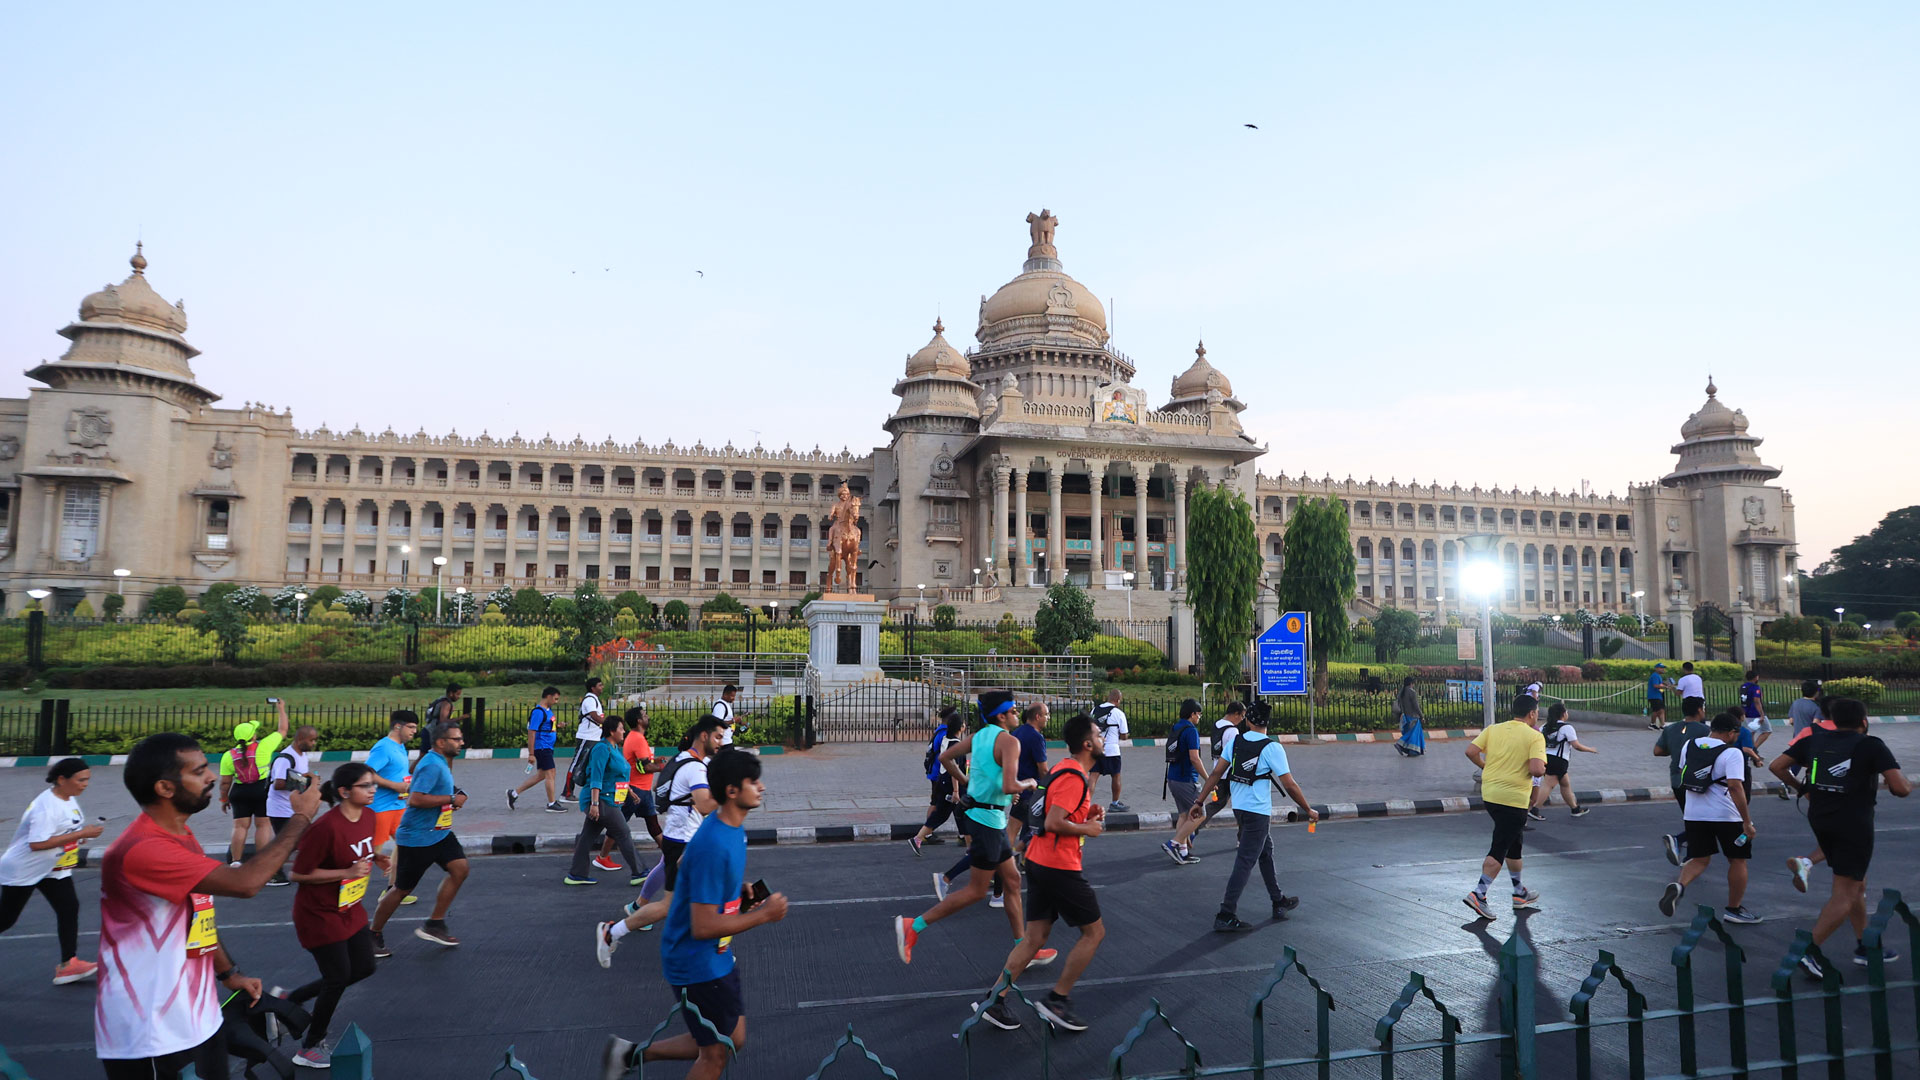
{"x": 543, "y": 759}
{"x": 639, "y": 803}
{"x": 720, "y": 1005}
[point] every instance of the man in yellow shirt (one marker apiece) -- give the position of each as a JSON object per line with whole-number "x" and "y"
{"x": 1509, "y": 755}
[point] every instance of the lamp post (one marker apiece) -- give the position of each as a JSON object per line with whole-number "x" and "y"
{"x": 1639, "y": 611}
{"x": 299, "y": 606}
{"x": 120, "y": 586}
{"x": 405, "y": 550}
{"x": 39, "y": 594}
{"x": 461, "y": 591}
{"x": 775, "y": 617}
{"x": 989, "y": 570}
{"x": 1128, "y": 578}
{"x": 1839, "y": 614}
{"x": 1481, "y": 576}
{"x": 439, "y": 583}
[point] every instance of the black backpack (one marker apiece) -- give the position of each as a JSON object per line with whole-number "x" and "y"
{"x": 1552, "y": 728}
{"x": 1100, "y": 714}
{"x": 1037, "y": 812}
{"x": 1219, "y": 735}
{"x": 1698, "y": 777}
{"x": 1830, "y": 768}
{"x": 1246, "y": 759}
{"x": 1175, "y": 752}
{"x": 664, "y": 785}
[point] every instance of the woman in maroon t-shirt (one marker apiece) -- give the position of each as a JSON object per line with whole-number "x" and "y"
{"x": 329, "y": 914}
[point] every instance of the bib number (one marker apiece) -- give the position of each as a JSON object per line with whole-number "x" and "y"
{"x": 619, "y": 792}
{"x": 69, "y": 856}
{"x": 445, "y": 821}
{"x": 203, "y": 937}
{"x": 352, "y": 891}
{"x": 731, "y": 907}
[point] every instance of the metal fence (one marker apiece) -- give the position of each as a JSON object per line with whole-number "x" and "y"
{"x": 1898, "y": 698}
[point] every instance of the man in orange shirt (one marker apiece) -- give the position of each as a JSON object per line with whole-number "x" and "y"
{"x": 639, "y": 755}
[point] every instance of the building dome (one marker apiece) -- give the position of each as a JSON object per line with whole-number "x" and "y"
{"x": 1043, "y": 302}
{"x": 1194, "y": 382}
{"x": 1715, "y": 447}
{"x": 937, "y": 357}
{"x": 1714, "y": 418}
{"x": 134, "y": 302}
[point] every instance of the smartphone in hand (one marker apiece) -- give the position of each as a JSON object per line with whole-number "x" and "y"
{"x": 757, "y": 894}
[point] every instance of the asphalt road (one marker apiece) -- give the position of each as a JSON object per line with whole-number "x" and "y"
{"x": 1381, "y": 898}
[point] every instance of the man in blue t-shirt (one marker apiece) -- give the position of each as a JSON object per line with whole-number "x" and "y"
{"x": 425, "y": 838}
{"x": 1248, "y": 773}
{"x": 940, "y": 806}
{"x": 1753, "y": 708}
{"x": 709, "y": 909}
{"x": 540, "y": 739}
{"x": 1183, "y": 774}
{"x": 391, "y": 774}
{"x": 1033, "y": 765}
{"x": 1657, "y": 687}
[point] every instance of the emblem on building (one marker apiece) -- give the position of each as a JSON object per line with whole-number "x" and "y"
{"x": 89, "y": 427}
{"x": 1673, "y": 522}
{"x": 9, "y": 447}
{"x": 1060, "y": 296}
{"x": 1753, "y": 509}
{"x": 221, "y": 456}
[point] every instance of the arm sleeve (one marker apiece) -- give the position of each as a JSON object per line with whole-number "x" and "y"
{"x": 1882, "y": 757}
{"x": 1480, "y": 740}
{"x": 1276, "y": 758}
{"x": 164, "y": 869}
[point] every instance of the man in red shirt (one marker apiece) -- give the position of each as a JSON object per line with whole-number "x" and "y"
{"x": 161, "y": 961}
{"x": 1056, "y": 889}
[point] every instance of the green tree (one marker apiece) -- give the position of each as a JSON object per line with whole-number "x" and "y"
{"x": 723, "y": 604}
{"x": 633, "y": 600}
{"x": 945, "y": 616}
{"x": 1316, "y": 577}
{"x": 1223, "y": 575}
{"x": 1876, "y": 575}
{"x": 113, "y": 605}
{"x": 527, "y": 602}
{"x": 226, "y": 623}
{"x": 675, "y": 613}
{"x": 1393, "y": 631}
{"x": 166, "y": 600}
{"x": 217, "y": 592}
{"x": 1904, "y": 619}
{"x": 589, "y": 623}
{"x": 1065, "y": 616}
{"x": 323, "y": 597}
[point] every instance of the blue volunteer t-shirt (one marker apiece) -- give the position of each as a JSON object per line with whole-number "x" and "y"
{"x": 388, "y": 760}
{"x": 540, "y": 722}
{"x": 1257, "y": 798}
{"x": 1185, "y": 737}
{"x": 1033, "y": 752}
{"x": 939, "y": 745}
{"x": 712, "y": 869}
{"x": 419, "y": 825}
{"x": 1750, "y": 699}
{"x": 1654, "y": 682}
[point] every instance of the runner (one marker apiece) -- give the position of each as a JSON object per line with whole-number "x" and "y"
{"x": 243, "y": 782}
{"x": 642, "y": 764}
{"x": 540, "y": 740}
{"x": 161, "y": 961}
{"x": 41, "y": 857}
{"x": 1031, "y": 731}
{"x": 1801, "y": 868}
{"x": 336, "y": 860}
{"x": 688, "y": 799}
{"x": 696, "y": 945}
{"x": 289, "y": 771}
{"x": 1251, "y": 760}
{"x": 1224, "y": 730}
{"x": 1056, "y": 888}
{"x": 603, "y": 798}
{"x": 948, "y": 727}
{"x": 1844, "y": 768}
{"x": 1806, "y": 709}
{"x": 393, "y": 772}
{"x": 1753, "y": 703}
{"x": 441, "y": 709}
{"x": 426, "y": 839}
{"x": 1690, "y": 684}
{"x": 1717, "y": 817}
{"x": 1561, "y": 741}
{"x": 723, "y": 708}
{"x": 1183, "y": 775}
{"x": 1672, "y": 745}
{"x": 1657, "y": 687}
{"x": 592, "y": 718}
{"x": 1509, "y": 755}
{"x": 1113, "y": 732}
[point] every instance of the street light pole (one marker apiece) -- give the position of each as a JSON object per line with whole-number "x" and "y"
{"x": 120, "y": 584}
{"x": 1128, "y": 578}
{"x": 439, "y": 583}
{"x": 299, "y": 606}
{"x": 1483, "y": 576}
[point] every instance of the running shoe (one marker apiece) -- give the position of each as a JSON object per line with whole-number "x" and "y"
{"x": 1187, "y": 853}
{"x": 1479, "y": 905}
{"x": 73, "y": 971}
{"x": 1799, "y": 868}
{"x": 1119, "y": 808}
{"x": 272, "y": 1020}
{"x": 404, "y": 901}
{"x": 1043, "y": 957}
{"x": 513, "y": 798}
{"x": 934, "y": 841}
{"x": 1580, "y": 811}
{"x": 1525, "y": 899}
{"x": 904, "y": 937}
{"x": 1173, "y": 852}
{"x": 380, "y": 950}
{"x": 571, "y": 880}
{"x": 618, "y": 1058}
{"x": 939, "y": 886}
{"x": 279, "y": 879}
{"x": 1059, "y": 1013}
{"x": 633, "y": 907}
{"x": 603, "y": 945}
{"x": 1284, "y": 904}
{"x": 637, "y": 880}
{"x": 999, "y": 1015}
{"x": 1861, "y": 957}
{"x": 1229, "y": 924}
{"x": 606, "y": 864}
{"x": 437, "y": 933}
{"x": 997, "y": 900}
{"x": 1672, "y": 844}
{"x": 314, "y": 1057}
{"x": 914, "y": 843}
{"x": 556, "y": 808}
{"x": 1812, "y": 967}
{"x": 1535, "y": 814}
{"x": 1653, "y": 725}
{"x": 1670, "y": 899}
{"x": 1741, "y": 915}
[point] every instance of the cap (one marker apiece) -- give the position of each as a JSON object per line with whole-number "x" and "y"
{"x": 995, "y": 702}
{"x": 1658, "y": 667}
{"x": 244, "y": 732}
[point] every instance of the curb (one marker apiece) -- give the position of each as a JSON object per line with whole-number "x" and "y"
{"x": 41, "y": 761}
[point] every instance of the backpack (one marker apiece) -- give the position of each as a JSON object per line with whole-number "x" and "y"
{"x": 1246, "y": 759}
{"x": 433, "y": 709}
{"x": 1698, "y": 777}
{"x": 1219, "y": 735}
{"x": 246, "y": 770}
{"x": 1037, "y": 813}
{"x": 1175, "y": 752}
{"x": 1552, "y": 728}
{"x": 665, "y": 783}
{"x": 935, "y": 746}
{"x": 1100, "y": 714}
{"x": 1830, "y": 770}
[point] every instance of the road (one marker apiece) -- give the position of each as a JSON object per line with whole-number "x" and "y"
{"x": 1381, "y": 898}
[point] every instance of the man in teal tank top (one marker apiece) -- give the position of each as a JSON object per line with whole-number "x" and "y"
{"x": 991, "y": 783}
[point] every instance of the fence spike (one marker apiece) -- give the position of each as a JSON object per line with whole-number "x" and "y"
{"x": 1116, "y": 1058}
{"x": 850, "y": 1039}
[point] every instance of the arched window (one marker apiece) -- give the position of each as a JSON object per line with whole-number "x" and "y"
{"x": 1566, "y": 555}
{"x": 1447, "y": 553}
{"x": 1626, "y": 558}
{"x": 1623, "y": 523}
{"x": 1506, "y": 518}
{"x": 1428, "y": 551}
{"x": 1526, "y": 518}
{"x": 1366, "y": 548}
{"x": 1547, "y": 556}
{"x": 1512, "y": 555}
{"x": 1406, "y": 551}
{"x": 1586, "y": 558}
{"x": 1530, "y": 556}
{"x": 1606, "y": 558}
{"x": 1586, "y": 521}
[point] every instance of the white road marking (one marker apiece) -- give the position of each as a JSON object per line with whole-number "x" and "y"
{"x": 1530, "y": 855}
{"x": 224, "y": 926}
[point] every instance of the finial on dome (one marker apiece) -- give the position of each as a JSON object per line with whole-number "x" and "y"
{"x": 1200, "y": 350}
{"x": 938, "y": 326}
{"x": 1711, "y": 389}
{"x": 139, "y": 261}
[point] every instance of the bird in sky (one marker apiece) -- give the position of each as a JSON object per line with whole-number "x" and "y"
{"x": 702, "y": 273}
{"x": 1255, "y": 127}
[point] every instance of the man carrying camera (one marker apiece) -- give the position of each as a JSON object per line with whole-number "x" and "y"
{"x": 289, "y": 772}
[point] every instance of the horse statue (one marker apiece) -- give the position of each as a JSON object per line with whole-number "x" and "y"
{"x": 843, "y": 543}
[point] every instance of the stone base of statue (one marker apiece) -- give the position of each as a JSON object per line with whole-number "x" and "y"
{"x": 843, "y": 637}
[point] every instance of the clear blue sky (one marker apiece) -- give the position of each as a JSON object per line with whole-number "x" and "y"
{"x": 1498, "y": 245}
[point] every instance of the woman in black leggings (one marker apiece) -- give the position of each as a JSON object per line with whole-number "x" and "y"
{"x": 41, "y": 858}
{"x": 332, "y": 867}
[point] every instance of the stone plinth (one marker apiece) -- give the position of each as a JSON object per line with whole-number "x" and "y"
{"x": 843, "y": 639}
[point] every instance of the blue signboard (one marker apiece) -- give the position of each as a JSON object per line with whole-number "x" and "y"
{"x": 1282, "y": 652}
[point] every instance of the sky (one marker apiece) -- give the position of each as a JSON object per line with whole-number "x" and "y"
{"x": 1492, "y": 244}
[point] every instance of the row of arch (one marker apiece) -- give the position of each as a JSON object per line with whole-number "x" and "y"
{"x": 1465, "y": 517}
{"x": 497, "y": 521}
{"x": 501, "y": 473}
{"x": 1429, "y": 551}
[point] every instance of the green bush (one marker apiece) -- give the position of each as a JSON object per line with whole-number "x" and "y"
{"x": 676, "y": 612}
{"x": 944, "y": 617}
{"x": 1108, "y": 651}
{"x": 323, "y": 597}
{"x": 528, "y": 602}
{"x": 1007, "y": 624}
{"x": 1610, "y": 647}
{"x": 406, "y": 680}
{"x": 1864, "y": 690}
{"x": 722, "y": 604}
{"x": 1710, "y": 670}
{"x": 335, "y": 616}
{"x": 633, "y": 603}
{"x": 113, "y": 605}
{"x": 1848, "y": 631}
{"x": 1906, "y": 619}
{"x": 166, "y": 600}
{"x": 83, "y": 609}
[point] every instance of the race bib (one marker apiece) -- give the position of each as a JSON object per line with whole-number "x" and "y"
{"x": 445, "y": 820}
{"x": 352, "y": 891}
{"x": 203, "y": 937}
{"x": 619, "y": 791}
{"x": 69, "y": 856}
{"x": 731, "y": 907}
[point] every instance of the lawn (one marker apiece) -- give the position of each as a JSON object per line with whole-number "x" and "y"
{"x": 1443, "y": 654}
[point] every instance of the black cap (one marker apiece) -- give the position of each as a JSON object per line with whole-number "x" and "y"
{"x": 995, "y": 702}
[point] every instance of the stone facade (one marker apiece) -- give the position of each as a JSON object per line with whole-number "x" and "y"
{"x": 1030, "y": 456}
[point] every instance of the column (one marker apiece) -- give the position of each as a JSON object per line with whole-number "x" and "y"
{"x": 380, "y": 535}
{"x": 1097, "y": 472}
{"x": 1023, "y": 550}
{"x": 106, "y": 519}
{"x": 1056, "y": 525}
{"x": 414, "y": 556}
{"x": 819, "y": 568}
{"x": 49, "y": 513}
{"x": 511, "y": 553}
{"x": 1000, "y": 570}
{"x": 542, "y": 521}
{"x": 1140, "y": 477}
{"x": 606, "y": 547}
{"x": 1180, "y": 530}
{"x": 316, "y": 515}
{"x": 983, "y": 521}
{"x": 753, "y": 538}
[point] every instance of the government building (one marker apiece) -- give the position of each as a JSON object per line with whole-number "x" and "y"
{"x": 1033, "y": 455}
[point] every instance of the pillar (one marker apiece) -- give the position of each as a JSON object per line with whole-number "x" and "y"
{"x": 512, "y": 551}
{"x": 1140, "y": 477}
{"x": 106, "y": 520}
{"x": 1096, "y": 473}
{"x": 413, "y": 541}
{"x": 1056, "y": 525}
{"x": 606, "y": 547}
{"x": 380, "y": 535}
{"x": 817, "y": 573}
{"x": 1680, "y": 617}
{"x": 1021, "y": 547}
{"x": 316, "y": 516}
{"x": 1000, "y": 569}
{"x": 1180, "y": 531}
{"x": 49, "y": 511}
{"x": 1743, "y": 626}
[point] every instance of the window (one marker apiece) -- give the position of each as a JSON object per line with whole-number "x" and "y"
{"x": 80, "y": 522}
{"x": 466, "y": 570}
{"x": 710, "y": 528}
{"x": 652, "y": 574}
{"x": 593, "y": 571}
{"x": 1366, "y": 591}
{"x": 770, "y": 577}
{"x": 796, "y": 577}
{"x": 1406, "y": 592}
{"x": 711, "y": 575}
{"x": 500, "y": 521}
{"x": 743, "y": 530}
{"x": 1530, "y": 596}
{"x": 499, "y": 569}
{"x": 622, "y": 573}
{"x": 683, "y": 573}
{"x": 683, "y": 527}
{"x": 1606, "y": 596}
{"x": 1432, "y": 593}
{"x": 560, "y": 571}
{"x": 770, "y": 531}
{"x": 740, "y": 577}
{"x": 533, "y": 570}
{"x": 1511, "y": 597}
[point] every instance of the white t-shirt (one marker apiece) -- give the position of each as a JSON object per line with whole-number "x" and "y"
{"x": 1692, "y": 685}
{"x": 1226, "y": 729}
{"x": 47, "y": 815}
{"x": 725, "y": 712}
{"x": 1113, "y": 728}
{"x": 1532, "y": 691}
{"x": 588, "y": 730}
{"x": 277, "y": 802}
{"x": 1716, "y": 804}
{"x": 682, "y": 821}
{"x": 1560, "y": 743}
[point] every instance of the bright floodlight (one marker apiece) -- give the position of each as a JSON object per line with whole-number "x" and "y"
{"x": 439, "y": 560}
{"x": 1839, "y": 611}
{"x": 461, "y": 591}
{"x": 300, "y": 596}
{"x": 1639, "y": 593}
{"x": 121, "y": 572}
{"x": 39, "y": 594}
{"x": 1480, "y": 578}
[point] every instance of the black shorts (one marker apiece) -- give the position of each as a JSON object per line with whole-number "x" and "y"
{"x": 670, "y": 850}
{"x": 987, "y": 846}
{"x": 719, "y": 1003}
{"x": 411, "y": 864}
{"x": 543, "y": 759}
{"x": 209, "y": 1059}
{"x": 938, "y": 791}
{"x": 1108, "y": 765}
{"x": 639, "y": 804}
{"x": 1556, "y": 766}
{"x": 279, "y": 823}
{"x": 1680, "y": 800}
{"x": 1509, "y": 828}
{"x": 1053, "y": 893}
{"x": 1848, "y": 851}
{"x": 1706, "y": 837}
{"x": 249, "y": 800}
{"x": 1655, "y": 704}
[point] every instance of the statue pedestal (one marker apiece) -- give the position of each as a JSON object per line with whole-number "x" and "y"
{"x": 843, "y": 638}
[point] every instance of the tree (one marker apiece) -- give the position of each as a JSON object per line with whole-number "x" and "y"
{"x": 527, "y": 602}
{"x": 1316, "y": 577}
{"x": 945, "y": 616}
{"x": 1392, "y": 631}
{"x": 226, "y": 623}
{"x": 675, "y": 613}
{"x": 167, "y": 600}
{"x": 1065, "y": 616}
{"x": 631, "y": 599}
{"x": 113, "y": 604}
{"x": 501, "y": 598}
{"x": 589, "y": 624}
{"x": 1223, "y": 574}
{"x": 1904, "y": 619}
{"x": 723, "y": 604}
{"x": 396, "y": 604}
{"x": 357, "y": 604}
{"x": 324, "y": 596}
{"x": 1877, "y": 574}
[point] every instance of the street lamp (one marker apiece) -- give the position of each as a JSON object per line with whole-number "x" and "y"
{"x": 405, "y": 550}
{"x": 1481, "y": 577}
{"x": 775, "y": 617}
{"x": 299, "y": 606}
{"x": 39, "y": 594}
{"x": 461, "y": 592}
{"x": 120, "y": 586}
{"x": 1128, "y": 578}
{"x": 439, "y": 583}
{"x": 989, "y": 569}
{"x": 1639, "y": 612}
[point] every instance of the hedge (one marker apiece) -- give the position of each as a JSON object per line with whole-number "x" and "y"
{"x": 1710, "y": 670}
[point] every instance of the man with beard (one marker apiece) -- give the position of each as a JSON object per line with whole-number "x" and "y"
{"x": 159, "y": 1001}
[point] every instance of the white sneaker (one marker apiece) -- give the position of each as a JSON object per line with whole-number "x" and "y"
{"x": 1800, "y": 868}
{"x": 939, "y": 887}
{"x": 997, "y": 901}
{"x": 603, "y": 945}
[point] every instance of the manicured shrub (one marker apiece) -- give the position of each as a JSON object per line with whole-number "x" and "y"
{"x": 1866, "y": 691}
{"x": 166, "y": 600}
{"x": 945, "y": 616}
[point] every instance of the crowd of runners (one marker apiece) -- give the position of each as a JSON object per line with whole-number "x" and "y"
{"x": 177, "y": 998}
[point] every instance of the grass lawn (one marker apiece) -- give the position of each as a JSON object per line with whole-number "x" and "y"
{"x": 1443, "y": 654}
{"x": 296, "y": 697}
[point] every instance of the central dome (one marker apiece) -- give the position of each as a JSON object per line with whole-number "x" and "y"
{"x": 1043, "y": 302}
